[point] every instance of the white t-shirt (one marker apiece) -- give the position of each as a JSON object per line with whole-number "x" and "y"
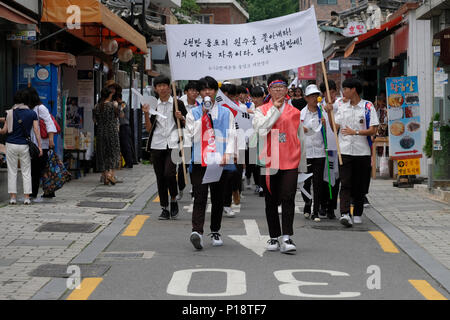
{"x": 354, "y": 117}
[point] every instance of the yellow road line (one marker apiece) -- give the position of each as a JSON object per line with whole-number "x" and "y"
{"x": 135, "y": 226}
{"x": 427, "y": 290}
{"x": 384, "y": 242}
{"x": 88, "y": 286}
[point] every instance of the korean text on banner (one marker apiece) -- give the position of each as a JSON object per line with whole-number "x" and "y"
{"x": 243, "y": 50}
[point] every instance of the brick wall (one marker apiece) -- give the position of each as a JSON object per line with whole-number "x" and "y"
{"x": 224, "y": 14}
{"x": 323, "y": 11}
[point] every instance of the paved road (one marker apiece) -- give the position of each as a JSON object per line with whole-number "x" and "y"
{"x": 155, "y": 260}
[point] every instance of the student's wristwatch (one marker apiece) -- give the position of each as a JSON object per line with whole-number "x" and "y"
{"x": 357, "y": 132}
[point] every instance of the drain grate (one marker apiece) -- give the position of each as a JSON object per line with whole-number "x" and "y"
{"x": 68, "y": 227}
{"x": 340, "y": 228}
{"x": 101, "y": 204}
{"x": 124, "y": 195}
{"x": 60, "y": 270}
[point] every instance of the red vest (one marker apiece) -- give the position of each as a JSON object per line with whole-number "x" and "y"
{"x": 286, "y": 148}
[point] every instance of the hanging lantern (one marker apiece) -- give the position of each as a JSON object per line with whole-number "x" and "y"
{"x": 109, "y": 46}
{"x": 125, "y": 54}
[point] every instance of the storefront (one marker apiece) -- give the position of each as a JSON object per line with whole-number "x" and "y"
{"x": 438, "y": 147}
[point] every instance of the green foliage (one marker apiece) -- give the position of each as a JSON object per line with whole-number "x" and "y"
{"x": 267, "y": 9}
{"x": 189, "y": 7}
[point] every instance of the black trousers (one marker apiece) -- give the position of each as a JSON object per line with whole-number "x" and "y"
{"x": 165, "y": 171}
{"x": 320, "y": 187}
{"x": 331, "y": 204}
{"x": 251, "y": 169}
{"x": 232, "y": 182}
{"x": 283, "y": 186}
{"x": 126, "y": 144}
{"x": 354, "y": 173}
{"x": 201, "y": 198}
{"x": 37, "y": 169}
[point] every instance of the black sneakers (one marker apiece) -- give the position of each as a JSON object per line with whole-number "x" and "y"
{"x": 173, "y": 210}
{"x": 165, "y": 215}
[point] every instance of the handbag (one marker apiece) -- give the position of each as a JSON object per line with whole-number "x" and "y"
{"x": 43, "y": 127}
{"x": 34, "y": 150}
{"x": 55, "y": 174}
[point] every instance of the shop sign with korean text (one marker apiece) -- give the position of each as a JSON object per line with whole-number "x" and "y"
{"x": 405, "y": 129}
{"x": 408, "y": 167}
{"x": 243, "y": 50}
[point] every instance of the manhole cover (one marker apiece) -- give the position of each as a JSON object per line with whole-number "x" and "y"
{"x": 123, "y": 195}
{"x": 68, "y": 227}
{"x": 339, "y": 228}
{"x": 60, "y": 270}
{"x": 123, "y": 255}
{"x": 100, "y": 204}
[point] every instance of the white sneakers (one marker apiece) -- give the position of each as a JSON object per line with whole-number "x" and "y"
{"x": 12, "y": 201}
{"x": 197, "y": 240}
{"x": 216, "y": 239}
{"x": 357, "y": 219}
{"x": 286, "y": 246}
{"x": 179, "y": 195}
{"x": 273, "y": 244}
{"x": 346, "y": 220}
{"x": 249, "y": 184}
{"x": 229, "y": 212}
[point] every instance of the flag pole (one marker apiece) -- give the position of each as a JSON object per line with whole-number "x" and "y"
{"x": 180, "y": 134}
{"x": 324, "y": 133}
{"x": 331, "y": 113}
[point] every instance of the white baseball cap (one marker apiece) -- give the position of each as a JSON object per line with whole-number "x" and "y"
{"x": 312, "y": 89}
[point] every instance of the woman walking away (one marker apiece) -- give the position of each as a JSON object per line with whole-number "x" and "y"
{"x": 106, "y": 114}
{"x": 19, "y": 121}
{"x": 38, "y": 165}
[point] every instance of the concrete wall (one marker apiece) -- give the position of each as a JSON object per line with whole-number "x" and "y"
{"x": 420, "y": 64}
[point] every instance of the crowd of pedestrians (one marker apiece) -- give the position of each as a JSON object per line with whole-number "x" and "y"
{"x": 293, "y": 132}
{"x": 299, "y": 124}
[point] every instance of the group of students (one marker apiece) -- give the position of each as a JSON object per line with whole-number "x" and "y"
{"x": 288, "y": 141}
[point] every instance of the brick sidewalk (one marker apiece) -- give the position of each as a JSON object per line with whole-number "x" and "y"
{"x": 422, "y": 219}
{"x": 23, "y": 249}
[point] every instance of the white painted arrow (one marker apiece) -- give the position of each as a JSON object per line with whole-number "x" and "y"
{"x": 253, "y": 240}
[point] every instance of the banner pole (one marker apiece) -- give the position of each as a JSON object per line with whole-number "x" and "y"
{"x": 180, "y": 134}
{"x": 331, "y": 113}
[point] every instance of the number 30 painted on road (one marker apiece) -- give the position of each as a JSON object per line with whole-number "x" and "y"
{"x": 236, "y": 283}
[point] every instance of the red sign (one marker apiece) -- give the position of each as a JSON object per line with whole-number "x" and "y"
{"x": 307, "y": 72}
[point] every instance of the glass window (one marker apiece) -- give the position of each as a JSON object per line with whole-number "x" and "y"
{"x": 326, "y": 1}
{"x": 205, "y": 18}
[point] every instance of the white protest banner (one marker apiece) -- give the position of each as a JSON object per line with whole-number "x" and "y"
{"x": 243, "y": 50}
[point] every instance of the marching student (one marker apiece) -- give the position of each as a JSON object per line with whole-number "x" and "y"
{"x": 190, "y": 101}
{"x": 233, "y": 180}
{"x": 314, "y": 124}
{"x": 210, "y": 130}
{"x": 356, "y": 122}
{"x": 331, "y": 204}
{"x": 279, "y": 122}
{"x": 163, "y": 140}
{"x": 251, "y": 167}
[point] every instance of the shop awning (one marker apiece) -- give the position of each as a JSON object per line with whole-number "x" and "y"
{"x": 14, "y": 15}
{"x": 42, "y": 57}
{"x": 381, "y": 32}
{"x": 96, "y": 20}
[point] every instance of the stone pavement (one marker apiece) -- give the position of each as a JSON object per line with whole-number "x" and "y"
{"x": 422, "y": 219}
{"x": 23, "y": 248}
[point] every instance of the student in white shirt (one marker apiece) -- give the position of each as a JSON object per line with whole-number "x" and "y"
{"x": 163, "y": 140}
{"x": 314, "y": 124}
{"x": 356, "y": 122}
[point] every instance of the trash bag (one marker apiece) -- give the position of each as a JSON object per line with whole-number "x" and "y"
{"x": 384, "y": 164}
{"x": 55, "y": 174}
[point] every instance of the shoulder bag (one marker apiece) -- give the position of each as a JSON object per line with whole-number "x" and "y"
{"x": 34, "y": 150}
